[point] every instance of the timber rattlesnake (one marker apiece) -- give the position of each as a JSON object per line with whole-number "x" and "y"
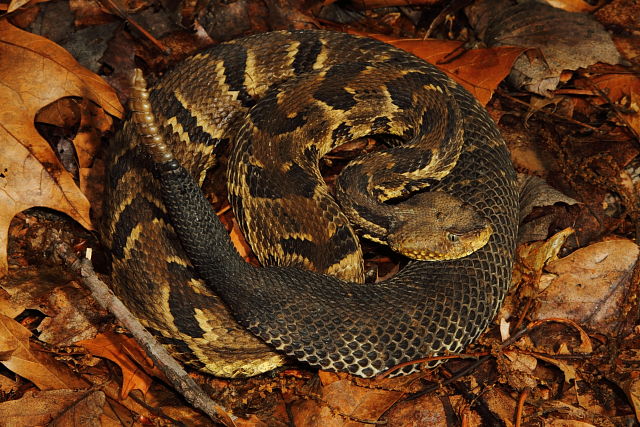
{"x": 427, "y": 309}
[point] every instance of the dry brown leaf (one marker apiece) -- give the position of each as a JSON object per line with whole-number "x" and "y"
{"x": 632, "y": 388}
{"x": 569, "y": 415}
{"x": 623, "y": 90}
{"x": 559, "y": 40}
{"x": 434, "y": 411}
{"x": 38, "y": 367}
{"x": 64, "y": 113}
{"x": 119, "y": 409}
{"x": 118, "y": 348}
{"x": 94, "y": 122}
{"x": 251, "y": 421}
{"x": 8, "y": 385}
{"x": 535, "y": 192}
{"x": 16, "y": 4}
{"x": 617, "y": 85}
{"x": 85, "y": 412}
{"x": 239, "y": 242}
{"x": 340, "y": 402}
{"x": 427, "y": 410}
{"x": 54, "y": 408}
{"x": 8, "y": 307}
{"x": 585, "y": 346}
{"x": 569, "y": 423}
{"x": 501, "y": 403}
{"x": 71, "y": 315}
{"x": 34, "y": 72}
{"x": 568, "y": 370}
{"x": 589, "y": 286}
{"x": 574, "y": 5}
{"x": 193, "y": 418}
{"x": 161, "y": 399}
{"x": 518, "y": 369}
{"x": 480, "y": 71}
{"x": 520, "y": 361}
{"x": 620, "y": 14}
{"x": 87, "y": 12}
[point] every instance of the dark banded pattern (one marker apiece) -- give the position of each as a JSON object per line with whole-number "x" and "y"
{"x": 284, "y": 99}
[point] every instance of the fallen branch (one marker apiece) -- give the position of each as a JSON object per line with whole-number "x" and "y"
{"x": 177, "y": 376}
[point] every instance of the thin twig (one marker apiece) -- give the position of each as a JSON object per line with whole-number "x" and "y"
{"x": 515, "y": 337}
{"x": 549, "y": 113}
{"x": 116, "y": 10}
{"x": 177, "y": 376}
{"x": 425, "y": 360}
{"x": 523, "y": 314}
{"x": 519, "y": 409}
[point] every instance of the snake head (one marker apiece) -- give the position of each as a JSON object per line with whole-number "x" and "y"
{"x": 435, "y": 226}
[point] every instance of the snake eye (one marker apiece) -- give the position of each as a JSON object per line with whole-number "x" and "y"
{"x": 452, "y": 237}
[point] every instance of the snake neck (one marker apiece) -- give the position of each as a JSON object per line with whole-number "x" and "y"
{"x": 372, "y": 189}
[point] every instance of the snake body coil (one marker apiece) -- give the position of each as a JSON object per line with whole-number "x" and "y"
{"x": 243, "y": 90}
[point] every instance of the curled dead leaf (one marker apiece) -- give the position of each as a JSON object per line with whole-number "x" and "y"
{"x": 585, "y": 346}
{"x": 534, "y": 256}
{"x": 559, "y": 40}
{"x": 38, "y": 367}
{"x": 535, "y": 192}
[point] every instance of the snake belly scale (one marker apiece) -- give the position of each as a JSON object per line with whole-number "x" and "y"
{"x": 233, "y": 91}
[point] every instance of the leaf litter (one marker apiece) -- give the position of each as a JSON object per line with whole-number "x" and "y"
{"x": 569, "y": 322}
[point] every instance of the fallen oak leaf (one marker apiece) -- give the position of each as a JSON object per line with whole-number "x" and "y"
{"x": 535, "y": 192}
{"x": 574, "y": 5}
{"x": 34, "y": 72}
{"x": 90, "y": 120}
{"x": 94, "y": 122}
{"x": 118, "y": 349}
{"x": 557, "y": 40}
{"x": 568, "y": 371}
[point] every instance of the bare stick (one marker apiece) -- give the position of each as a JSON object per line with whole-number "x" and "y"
{"x": 177, "y": 376}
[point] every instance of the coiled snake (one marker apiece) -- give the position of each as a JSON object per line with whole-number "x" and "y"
{"x": 292, "y": 86}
